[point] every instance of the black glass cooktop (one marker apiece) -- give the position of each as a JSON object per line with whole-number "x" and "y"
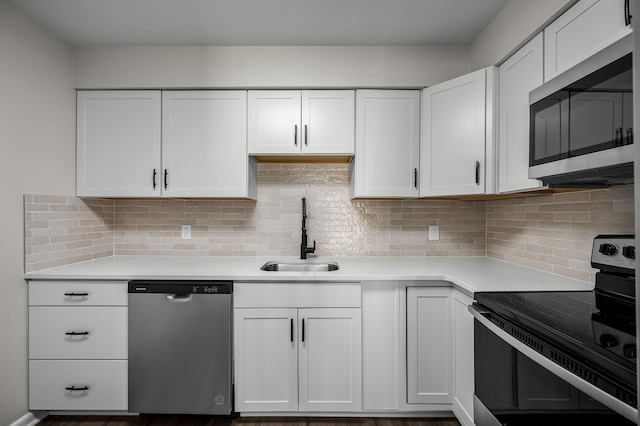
{"x": 589, "y": 326}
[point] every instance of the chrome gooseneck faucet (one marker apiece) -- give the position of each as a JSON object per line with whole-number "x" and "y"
{"x": 304, "y": 250}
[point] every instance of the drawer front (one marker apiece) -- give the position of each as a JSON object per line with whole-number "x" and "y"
{"x": 99, "y": 385}
{"x": 92, "y": 332}
{"x": 293, "y": 295}
{"x": 78, "y": 293}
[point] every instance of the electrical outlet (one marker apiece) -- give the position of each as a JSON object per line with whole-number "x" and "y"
{"x": 186, "y": 232}
{"x": 434, "y": 232}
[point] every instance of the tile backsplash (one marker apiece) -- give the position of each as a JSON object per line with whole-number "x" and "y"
{"x": 60, "y": 230}
{"x": 555, "y": 232}
{"x": 272, "y": 225}
{"x": 550, "y": 232}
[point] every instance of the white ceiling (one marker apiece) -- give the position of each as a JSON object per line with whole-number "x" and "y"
{"x": 263, "y": 22}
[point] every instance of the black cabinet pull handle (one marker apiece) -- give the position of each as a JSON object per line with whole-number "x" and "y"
{"x": 166, "y": 180}
{"x": 477, "y": 173}
{"x": 306, "y": 136}
{"x": 627, "y": 13}
{"x": 629, "y": 136}
{"x": 71, "y": 294}
{"x": 291, "y": 329}
{"x": 74, "y": 388}
{"x": 295, "y": 134}
{"x": 415, "y": 178}
{"x": 77, "y": 333}
{"x": 155, "y": 172}
{"x": 302, "y": 330}
{"x": 619, "y": 139}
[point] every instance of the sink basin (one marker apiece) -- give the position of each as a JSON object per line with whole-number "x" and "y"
{"x": 301, "y": 266}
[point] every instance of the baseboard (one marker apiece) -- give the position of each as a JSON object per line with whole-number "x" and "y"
{"x": 30, "y": 419}
{"x": 461, "y": 414}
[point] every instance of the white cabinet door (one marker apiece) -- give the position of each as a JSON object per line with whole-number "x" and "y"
{"x": 328, "y": 122}
{"x": 266, "y": 367}
{"x": 204, "y": 146}
{"x": 330, "y": 359}
{"x": 428, "y": 345}
{"x": 452, "y": 151}
{"x": 518, "y": 75}
{"x": 463, "y": 379}
{"x": 274, "y": 121}
{"x": 387, "y": 144}
{"x": 586, "y": 28}
{"x": 118, "y": 143}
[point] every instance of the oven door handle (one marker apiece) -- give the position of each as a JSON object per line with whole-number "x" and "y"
{"x": 483, "y": 317}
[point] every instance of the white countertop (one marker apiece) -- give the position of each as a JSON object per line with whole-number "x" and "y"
{"x": 468, "y": 274}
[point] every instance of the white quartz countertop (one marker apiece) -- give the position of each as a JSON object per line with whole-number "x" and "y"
{"x": 468, "y": 274}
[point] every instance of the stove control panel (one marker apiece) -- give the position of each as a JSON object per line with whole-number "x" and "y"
{"x": 614, "y": 253}
{"x": 615, "y": 336}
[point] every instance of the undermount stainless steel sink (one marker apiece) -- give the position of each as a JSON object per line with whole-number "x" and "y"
{"x": 301, "y": 266}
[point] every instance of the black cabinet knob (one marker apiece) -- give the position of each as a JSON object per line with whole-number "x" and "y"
{"x": 608, "y": 341}
{"x": 608, "y": 249}
{"x": 629, "y": 252}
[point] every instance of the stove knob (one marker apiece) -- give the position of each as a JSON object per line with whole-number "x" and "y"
{"x": 608, "y": 249}
{"x": 629, "y": 351}
{"x": 629, "y": 252}
{"x": 608, "y": 341}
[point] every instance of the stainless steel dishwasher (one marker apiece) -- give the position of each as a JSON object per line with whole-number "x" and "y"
{"x": 180, "y": 347}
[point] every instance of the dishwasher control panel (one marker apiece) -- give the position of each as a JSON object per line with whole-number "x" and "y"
{"x": 180, "y": 287}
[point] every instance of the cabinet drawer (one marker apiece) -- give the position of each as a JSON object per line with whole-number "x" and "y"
{"x": 291, "y": 295}
{"x": 78, "y": 293}
{"x": 101, "y": 332}
{"x": 106, "y": 382}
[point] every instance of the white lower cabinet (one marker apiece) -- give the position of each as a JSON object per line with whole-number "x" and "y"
{"x": 78, "y": 345}
{"x": 429, "y": 345}
{"x": 329, "y": 356}
{"x": 463, "y": 371}
{"x": 381, "y": 350}
{"x": 78, "y": 385}
{"x": 303, "y": 357}
{"x": 266, "y": 360}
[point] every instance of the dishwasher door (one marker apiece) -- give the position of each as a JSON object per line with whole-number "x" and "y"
{"x": 180, "y": 347}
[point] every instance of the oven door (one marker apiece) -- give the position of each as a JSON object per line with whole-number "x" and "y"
{"x": 516, "y": 386}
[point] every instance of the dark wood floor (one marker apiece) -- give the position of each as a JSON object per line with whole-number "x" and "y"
{"x": 148, "y": 420}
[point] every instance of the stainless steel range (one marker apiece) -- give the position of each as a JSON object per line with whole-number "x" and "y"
{"x": 561, "y": 358}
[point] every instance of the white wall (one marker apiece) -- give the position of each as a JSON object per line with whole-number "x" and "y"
{"x": 37, "y": 154}
{"x": 255, "y": 67}
{"x": 512, "y": 26}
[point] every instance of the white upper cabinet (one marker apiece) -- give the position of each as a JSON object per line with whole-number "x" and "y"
{"x": 328, "y": 121}
{"x": 274, "y": 121}
{"x": 517, "y": 76}
{"x": 204, "y": 146}
{"x": 289, "y": 122}
{"x": 457, "y": 143}
{"x": 586, "y": 28}
{"x": 387, "y": 144}
{"x": 118, "y": 143}
{"x": 174, "y": 144}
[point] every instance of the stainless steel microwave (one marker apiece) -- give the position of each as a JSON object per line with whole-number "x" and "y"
{"x": 581, "y": 122}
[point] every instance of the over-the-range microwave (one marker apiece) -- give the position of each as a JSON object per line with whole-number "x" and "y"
{"x": 581, "y": 122}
